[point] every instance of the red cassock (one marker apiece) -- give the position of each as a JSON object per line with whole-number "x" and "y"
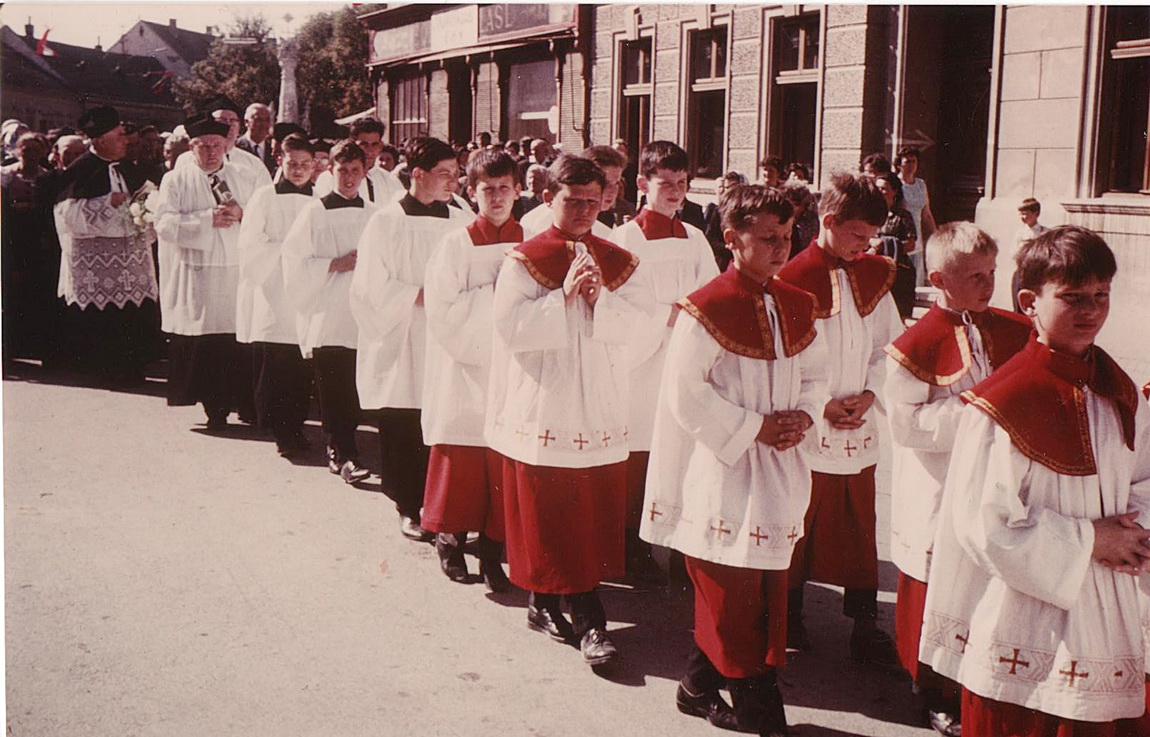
{"x": 565, "y": 526}
{"x": 464, "y": 483}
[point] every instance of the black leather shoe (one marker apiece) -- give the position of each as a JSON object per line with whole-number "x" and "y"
{"x": 945, "y": 723}
{"x": 217, "y": 422}
{"x": 871, "y": 645}
{"x": 451, "y": 559}
{"x": 709, "y": 706}
{"x": 409, "y": 528}
{"x": 550, "y": 622}
{"x": 352, "y": 473}
{"x": 597, "y": 647}
{"x": 333, "y": 463}
{"x": 493, "y": 576}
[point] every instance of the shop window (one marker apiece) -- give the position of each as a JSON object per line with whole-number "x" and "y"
{"x": 531, "y": 97}
{"x": 408, "y": 108}
{"x": 707, "y": 101}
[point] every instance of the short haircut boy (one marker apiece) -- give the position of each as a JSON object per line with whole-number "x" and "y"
{"x": 906, "y": 152}
{"x": 1068, "y": 254}
{"x": 574, "y": 170}
{"x": 604, "y": 156}
{"x": 424, "y": 152}
{"x": 773, "y": 162}
{"x": 491, "y": 164}
{"x": 662, "y": 155}
{"x": 797, "y": 193}
{"x": 851, "y": 197}
{"x": 1030, "y": 205}
{"x": 367, "y": 125}
{"x": 296, "y": 142}
{"x": 743, "y": 205}
{"x": 955, "y": 240}
{"x": 348, "y": 151}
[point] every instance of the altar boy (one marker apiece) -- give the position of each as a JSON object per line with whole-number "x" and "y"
{"x": 745, "y": 376}
{"x": 464, "y": 476}
{"x": 955, "y": 345}
{"x": 1045, "y": 495}
{"x": 565, "y": 307}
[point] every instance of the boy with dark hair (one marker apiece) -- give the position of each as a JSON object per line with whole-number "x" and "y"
{"x": 280, "y": 373}
{"x": 955, "y": 345}
{"x": 379, "y": 185}
{"x": 745, "y": 375}
{"x": 566, "y": 306}
{"x": 539, "y": 219}
{"x": 387, "y": 300}
{"x": 677, "y": 259}
{"x": 771, "y": 171}
{"x": 464, "y": 476}
{"x": 858, "y": 318}
{"x": 1047, "y": 487}
{"x": 320, "y": 254}
{"x": 1028, "y": 213}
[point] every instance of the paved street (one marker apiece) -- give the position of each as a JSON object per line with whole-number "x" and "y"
{"x": 162, "y": 581}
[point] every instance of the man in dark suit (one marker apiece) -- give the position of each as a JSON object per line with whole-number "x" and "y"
{"x": 257, "y": 140}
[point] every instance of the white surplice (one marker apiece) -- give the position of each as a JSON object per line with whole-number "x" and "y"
{"x": 385, "y": 186}
{"x": 858, "y": 363}
{"x": 923, "y": 421}
{"x": 1018, "y": 610}
{"x": 675, "y": 267}
{"x": 713, "y": 491}
{"x": 265, "y": 314}
{"x": 322, "y": 298}
{"x": 560, "y": 373}
{"x": 459, "y": 298}
{"x": 199, "y": 264}
{"x": 389, "y": 276}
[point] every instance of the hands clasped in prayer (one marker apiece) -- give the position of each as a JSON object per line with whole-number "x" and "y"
{"x": 225, "y": 216}
{"x": 784, "y": 430}
{"x": 847, "y": 413}
{"x": 583, "y": 278}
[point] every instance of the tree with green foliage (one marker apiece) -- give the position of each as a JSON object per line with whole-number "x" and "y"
{"x": 332, "y": 74}
{"x": 247, "y": 71}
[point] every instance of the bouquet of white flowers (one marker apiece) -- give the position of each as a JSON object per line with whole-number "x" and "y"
{"x": 142, "y": 207}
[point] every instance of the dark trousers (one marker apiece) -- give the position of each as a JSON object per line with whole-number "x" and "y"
{"x": 403, "y": 458}
{"x": 857, "y": 604}
{"x": 586, "y": 608}
{"x": 117, "y": 340}
{"x": 245, "y": 382}
{"x": 202, "y": 368}
{"x": 282, "y": 379}
{"x": 338, "y": 400}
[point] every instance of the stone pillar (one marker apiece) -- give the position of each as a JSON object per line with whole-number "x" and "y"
{"x": 289, "y": 98}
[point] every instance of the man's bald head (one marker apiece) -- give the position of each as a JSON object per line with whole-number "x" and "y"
{"x": 258, "y": 119}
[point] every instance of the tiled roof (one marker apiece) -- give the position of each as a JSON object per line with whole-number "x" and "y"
{"x": 87, "y": 73}
{"x": 190, "y": 46}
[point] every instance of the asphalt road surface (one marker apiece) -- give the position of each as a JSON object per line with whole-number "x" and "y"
{"x": 163, "y": 581}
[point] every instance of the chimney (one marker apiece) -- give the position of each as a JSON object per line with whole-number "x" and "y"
{"x": 98, "y": 46}
{"x": 29, "y": 30}
{"x": 171, "y": 22}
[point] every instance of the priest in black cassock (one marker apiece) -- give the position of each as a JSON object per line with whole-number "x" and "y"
{"x": 108, "y": 280}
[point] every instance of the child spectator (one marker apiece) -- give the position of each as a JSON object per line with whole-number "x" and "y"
{"x": 771, "y": 171}
{"x": 319, "y": 258}
{"x": 897, "y": 240}
{"x": 677, "y": 259}
{"x": 463, "y": 475}
{"x": 713, "y": 219}
{"x": 727, "y": 486}
{"x": 1028, "y": 213}
{"x": 387, "y": 301}
{"x": 566, "y": 306}
{"x": 858, "y": 318}
{"x": 955, "y": 345}
{"x": 806, "y": 221}
{"x": 1045, "y": 494}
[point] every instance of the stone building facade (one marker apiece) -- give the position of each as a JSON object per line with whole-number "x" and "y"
{"x": 1004, "y": 102}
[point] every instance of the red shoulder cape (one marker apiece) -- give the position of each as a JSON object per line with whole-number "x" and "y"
{"x": 656, "y": 226}
{"x": 483, "y": 233}
{"x": 935, "y": 348}
{"x": 732, "y": 309}
{"x": 1037, "y": 398}
{"x": 812, "y": 269}
{"x": 548, "y": 256}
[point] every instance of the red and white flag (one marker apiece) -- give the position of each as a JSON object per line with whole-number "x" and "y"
{"x": 42, "y": 48}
